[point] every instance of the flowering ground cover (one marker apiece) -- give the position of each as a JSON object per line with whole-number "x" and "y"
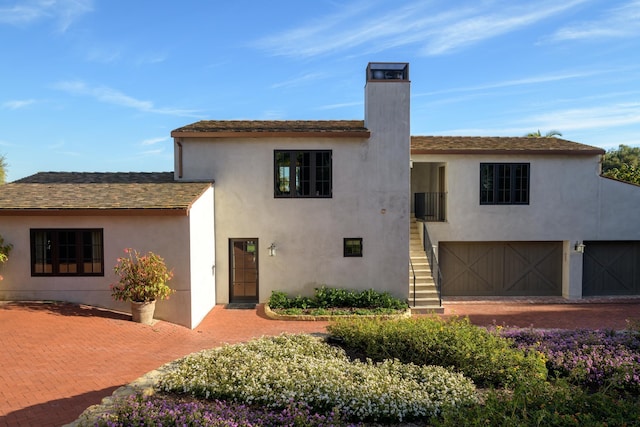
{"x": 589, "y": 358}
{"x": 299, "y": 380}
{"x": 170, "y": 410}
{"x": 274, "y": 371}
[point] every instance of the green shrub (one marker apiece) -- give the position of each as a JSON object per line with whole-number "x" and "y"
{"x": 325, "y": 297}
{"x": 479, "y": 354}
{"x": 539, "y": 403}
{"x": 279, "y": 299}
{"x": 274, "y": 371}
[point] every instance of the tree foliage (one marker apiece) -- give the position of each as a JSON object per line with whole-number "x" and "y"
{"x": 624, "y": 154}
{"x": 3, "y": 169}
{"x": 625, "y": 173}
{"x": 550, "y": 134}
{"x": 622, "y": 163}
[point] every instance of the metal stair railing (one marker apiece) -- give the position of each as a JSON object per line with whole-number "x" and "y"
{"x": 413, "y": 272}
{"x": 433, "y": 263}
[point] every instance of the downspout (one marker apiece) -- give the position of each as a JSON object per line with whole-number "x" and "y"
{"x": 179, "y": 143}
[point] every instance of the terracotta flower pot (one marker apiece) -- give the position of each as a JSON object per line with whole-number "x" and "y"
{"x": 142, "y": 312}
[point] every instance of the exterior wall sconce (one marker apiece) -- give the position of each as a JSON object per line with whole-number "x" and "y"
{"x": 579, "y": 247}
{"x": 272, "y": 249}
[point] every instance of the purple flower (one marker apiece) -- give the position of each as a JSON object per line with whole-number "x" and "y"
{"x": 592, "y": 358}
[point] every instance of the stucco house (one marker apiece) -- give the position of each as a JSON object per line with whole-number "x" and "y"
{"x": 258, "y": 206}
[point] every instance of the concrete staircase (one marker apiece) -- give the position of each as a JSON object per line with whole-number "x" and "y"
{"x": 426, "y": 293}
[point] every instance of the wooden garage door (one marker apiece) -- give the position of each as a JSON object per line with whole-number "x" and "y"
{"x": 611, "y": 268}
{"x": 501, "y": 268}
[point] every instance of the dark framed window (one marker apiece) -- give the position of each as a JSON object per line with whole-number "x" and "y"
{"x": 353, "y": 246}
{"x": 302, "y": 173}
{"x": 504, "y": 183}
{"x": 67, "y": 252}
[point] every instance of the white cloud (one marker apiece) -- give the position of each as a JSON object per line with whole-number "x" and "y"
{"x": 153, "y": 141}
{"x": 152, "y": 58}
{"x": 341, "y": 105}
{"x": 115, "y": 97}
{"x": 606, "y": 116}
{"x": 103, "y": 55}
{"x": 361, "y": 26}
{"x": 603, "y": 118}
{"x": 486, "y": 24}
{"x": 63, "y": 12}
{"x": 532, "y": 80}
{"x": 17, "y": 104}
{"x": 611, "y": 120}
{"x": 152, "y": 152}
{"x": 298, "y": 80}
{"x": 619, "y": 22}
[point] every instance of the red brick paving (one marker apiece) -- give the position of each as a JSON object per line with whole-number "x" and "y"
{"x": 561, "y": 315}
{"x": 58, "y": 359}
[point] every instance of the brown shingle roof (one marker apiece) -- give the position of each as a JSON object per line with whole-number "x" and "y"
{"x": 76, "y": 193}
{"x": 273, "y": 128}
{"x": 498, "y": 145}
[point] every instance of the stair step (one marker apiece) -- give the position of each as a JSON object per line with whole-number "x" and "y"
{"x": 421, "y": 284}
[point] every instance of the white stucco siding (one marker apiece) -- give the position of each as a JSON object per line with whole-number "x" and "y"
{"x": 563, "y": 203}
{"x": 569, "y": 202}
{"x": 168, "y": 236}
{"x": 308, "y": 233}
{"x": 202, "y": 257}
{"x": 619, "y": 204}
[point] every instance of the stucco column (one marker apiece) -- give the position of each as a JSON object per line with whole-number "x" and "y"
{"x": 571, "y": 271}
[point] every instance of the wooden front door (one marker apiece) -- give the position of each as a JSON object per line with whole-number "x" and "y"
{"x": 243, "y": 270}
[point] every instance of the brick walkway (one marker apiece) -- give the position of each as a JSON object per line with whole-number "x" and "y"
{"x": 58, "y": 359}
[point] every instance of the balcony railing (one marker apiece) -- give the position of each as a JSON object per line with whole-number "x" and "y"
{"x": 430, "y": 206}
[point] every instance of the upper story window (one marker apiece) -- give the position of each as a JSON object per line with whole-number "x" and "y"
{"x": 67, "y": 252}
{"x": 302, "y": 173}
{"x": 504, "y": 183}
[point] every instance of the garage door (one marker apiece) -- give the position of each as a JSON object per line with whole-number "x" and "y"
{"x": 501, "y": 268}
{"x": 611, "y": 268}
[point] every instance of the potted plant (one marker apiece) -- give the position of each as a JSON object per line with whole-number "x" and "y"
{"x": 143, "y": 280}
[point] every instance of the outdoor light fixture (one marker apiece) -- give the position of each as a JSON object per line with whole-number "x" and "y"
{"x": 272, "y": 249}
{"x": 579, "y": 247}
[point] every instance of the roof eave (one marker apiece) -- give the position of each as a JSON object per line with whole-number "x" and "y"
{"x": 182, "y": 211}
{"x": 281, "y": 134}
{"x": 507, "y": 151}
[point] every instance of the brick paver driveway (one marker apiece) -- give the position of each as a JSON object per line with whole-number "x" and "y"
{"x": 58, "y": 359}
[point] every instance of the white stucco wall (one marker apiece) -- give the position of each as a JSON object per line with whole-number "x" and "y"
{"x": 618, "y": 207}
{"x": 308, "y": 233}
{"x": 203, "y": 255}
{"x": 569, "y": 202}
{"x": 168, "y": 236}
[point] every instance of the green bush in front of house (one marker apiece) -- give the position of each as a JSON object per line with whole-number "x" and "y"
{"x": 484, "y": 356}
{"x": 327, "y": 300}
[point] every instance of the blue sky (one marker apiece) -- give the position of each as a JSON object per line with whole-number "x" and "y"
{"x": 98, "y": 85}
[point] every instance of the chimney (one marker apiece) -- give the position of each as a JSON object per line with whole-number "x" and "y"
{"x": 387, "y": 99}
